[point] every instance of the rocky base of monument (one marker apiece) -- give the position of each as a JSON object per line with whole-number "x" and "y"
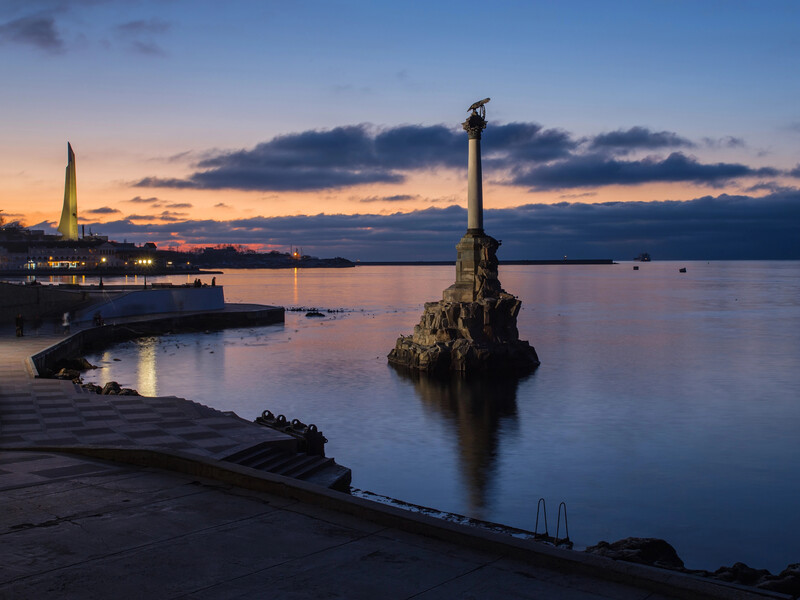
{"x": 658, "y": 553}
{"x": 467, "y": 337}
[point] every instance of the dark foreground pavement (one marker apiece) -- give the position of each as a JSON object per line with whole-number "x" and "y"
{"x": 74, "y": 527}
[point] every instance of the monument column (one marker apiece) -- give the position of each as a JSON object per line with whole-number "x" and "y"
{"x": 472, "y": 249}
{"x": 68, "y": 226}
{"x": 473, "y": 126}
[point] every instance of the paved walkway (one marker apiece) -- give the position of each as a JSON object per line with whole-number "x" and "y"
{"x": 79, "y": 527}
{"x": 48, "y": 412}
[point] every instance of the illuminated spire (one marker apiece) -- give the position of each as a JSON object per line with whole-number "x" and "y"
{"x": 68, "y": 226}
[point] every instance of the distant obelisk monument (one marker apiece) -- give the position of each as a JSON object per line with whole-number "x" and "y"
{"x": 473, "y": 329}
{"x": 68, "y": 226}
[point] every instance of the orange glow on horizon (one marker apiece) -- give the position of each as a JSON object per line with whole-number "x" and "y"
{"x": 105, "y": 194}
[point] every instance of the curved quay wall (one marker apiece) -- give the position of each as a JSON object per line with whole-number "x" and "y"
{"x": 230, "y": 315}
{"x": 156, "y": 300}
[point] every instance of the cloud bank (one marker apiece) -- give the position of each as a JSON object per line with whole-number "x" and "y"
{"x": 524, "y": 154}
{"x": 723, "y": 227}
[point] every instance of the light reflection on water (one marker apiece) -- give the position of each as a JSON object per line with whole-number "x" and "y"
{"x": 666, "y": 404}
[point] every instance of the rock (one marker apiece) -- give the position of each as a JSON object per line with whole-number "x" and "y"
{"x": 741, "y": 573}
{"x": 77, "y": 364}
{"x": 658, "y": 553}
{"x": 645, "y": 551}
{"x": 128, "y": 392}
{"x": 111, "y": 388}
{"x": 70, "y": 374}
{"x": 787, "y": 582}
{"x": 91, "y": 387}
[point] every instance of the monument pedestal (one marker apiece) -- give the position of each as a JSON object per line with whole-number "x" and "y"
{"x": 473, "y": 329}
{"x": 476, "y": 268}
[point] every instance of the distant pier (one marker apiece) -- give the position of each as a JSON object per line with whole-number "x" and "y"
{"x": 434, "y": 263}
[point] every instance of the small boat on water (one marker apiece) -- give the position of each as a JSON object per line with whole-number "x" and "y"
{"x": 643, "y": 257}
{"x": 682, "y": 270}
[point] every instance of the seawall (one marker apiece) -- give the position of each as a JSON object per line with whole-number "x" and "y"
{"x": 231, "y": 315}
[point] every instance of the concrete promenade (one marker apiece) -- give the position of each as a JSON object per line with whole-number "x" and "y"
{"x": 125, "y": 497}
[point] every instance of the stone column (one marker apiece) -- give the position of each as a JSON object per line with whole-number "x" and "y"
{"x": 473, "y": 126}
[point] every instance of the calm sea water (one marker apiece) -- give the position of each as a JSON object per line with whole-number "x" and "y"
{"x": 667, "y": 404}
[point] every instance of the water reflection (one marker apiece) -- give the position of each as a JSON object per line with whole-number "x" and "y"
{"x": 147, "y": 378}
{"x": 479, "y": 409}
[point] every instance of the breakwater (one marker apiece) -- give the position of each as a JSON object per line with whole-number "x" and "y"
{"x": 232, "y": 315}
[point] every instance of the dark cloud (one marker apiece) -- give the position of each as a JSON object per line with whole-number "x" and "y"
{"x": 352, "y": 155}
{"x": 725, "y": 142}
{"x": 139, "y": 35}
{"x": 576, "y": 196}
{"x": 143, "y": 26}
{"x": 771, "y": 187}
{"x": 796, "y": 171}
{"x": 638, "y": 138}
{"x": 395, "y": 198}
{"x": 312, "y": 160}
{"x": 140, "y": 200}
{"x": 596, "y": 170}
{"x": 708, "y": 228}
{"x": 147, "y": 48}
{"x": 48, "y": 226}
{"x": 164, "y": 182}
{"x": 140, "y": 217}
{"x": 35, "y": 31}
{"x": 523, "y": 154}
{"x": 179, "y": 157}
{"x": 221, "y": 205}
{"x": 507, "y": 145}
{"x": 179, "y": 205}
{"x": 417, "y": 147}
{"x": 103, "y": 210}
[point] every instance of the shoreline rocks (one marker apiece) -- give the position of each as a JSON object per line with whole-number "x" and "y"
{"x": 71, "y": 368}
{"x": 656, "y": 552}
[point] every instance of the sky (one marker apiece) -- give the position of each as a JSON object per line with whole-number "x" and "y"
{"x": 614, "y": 128}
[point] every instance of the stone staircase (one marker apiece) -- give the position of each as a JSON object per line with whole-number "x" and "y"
{"x": 313, "y": 469}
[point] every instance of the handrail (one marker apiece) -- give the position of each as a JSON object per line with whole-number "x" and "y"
{"x": 565, "y": 540}
{"x": 536, "y": 533}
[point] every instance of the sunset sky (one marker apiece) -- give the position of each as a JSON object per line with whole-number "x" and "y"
{"x": 671, "y": 127}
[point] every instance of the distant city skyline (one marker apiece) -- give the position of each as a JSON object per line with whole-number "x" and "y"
{"x": 614, "y": 128}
